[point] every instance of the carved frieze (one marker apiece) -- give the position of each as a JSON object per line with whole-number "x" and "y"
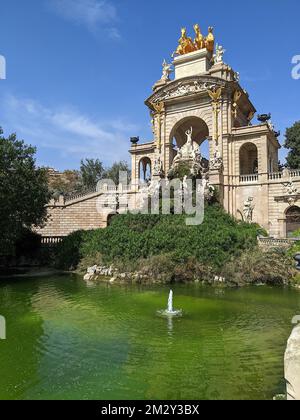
{"x": 183, "y": 88}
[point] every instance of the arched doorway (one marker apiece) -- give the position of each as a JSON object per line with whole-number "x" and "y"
{"x": 145, "y": 169}
{"x": 248, "y": 159}
{"x": 292, "y": 220}
{"x": 200, "y": 135}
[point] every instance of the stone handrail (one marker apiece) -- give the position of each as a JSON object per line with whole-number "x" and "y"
{"x": 295, "y": 174}
{"x": 94, "y": 190}
{"x": 76, "y": 196}
{"x": 275, "y": 175}
{"x": 248, "y": 178}
{"x": 272, "y": 176}
{"x": 284, "y": 174}
{"x": 51, "y": 240}
{"x": 275, "y": 242}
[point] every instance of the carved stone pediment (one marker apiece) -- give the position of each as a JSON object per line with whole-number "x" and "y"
{"x": 185, "y": 87}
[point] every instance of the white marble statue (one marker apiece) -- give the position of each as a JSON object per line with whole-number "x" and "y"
{"x": 158, "y": 166}
{"x": 167, "y": 70}
{"x": 248, "y": 210}
{"x": 237, "y": 76}
{"x": 218, "y": 56}
{"x": 190, "y": 152}
{"x": 189, "y": 134}
{"x": 216, "y": 162}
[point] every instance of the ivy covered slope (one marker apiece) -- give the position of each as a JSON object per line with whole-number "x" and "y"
{"x": 165, "y": 247}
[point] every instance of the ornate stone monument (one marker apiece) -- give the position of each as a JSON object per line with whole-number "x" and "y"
{"x": 204, "y": 101}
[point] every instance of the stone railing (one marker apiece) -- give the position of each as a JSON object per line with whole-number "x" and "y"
{"x": 246, "y": 179}
{"x": 50, "y": 241}
{"x": 275, "y": 243}
{"x": 82, "y": 194}
{"x": 275, "y": 176}
{"x": 104, "y": 189}
{"x": 272, "y": 176}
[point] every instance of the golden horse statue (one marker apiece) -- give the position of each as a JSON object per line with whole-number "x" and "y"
{"x": 186, "y": 44}
{"x": 200, "y": 40}
{"x": 210, "y": 40}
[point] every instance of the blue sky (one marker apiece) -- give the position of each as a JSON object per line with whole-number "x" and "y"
{"x": 78, "y": 71}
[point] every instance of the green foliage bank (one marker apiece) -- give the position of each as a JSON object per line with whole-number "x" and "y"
{"x": 164, "y": 248}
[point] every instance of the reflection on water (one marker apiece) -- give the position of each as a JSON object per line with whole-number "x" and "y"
{"x": 170, "y": 324}
{"x": 70, "y": 340}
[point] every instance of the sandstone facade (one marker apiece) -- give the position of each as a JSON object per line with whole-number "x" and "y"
{"x": 243, "y": 156}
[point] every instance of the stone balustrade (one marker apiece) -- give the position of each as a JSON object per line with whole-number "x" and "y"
{"x": 275, "y": 242}
{"x": 286, "y": 174}
{"x": 104, "y": 189}
{"x": 77, "y": 196}
{"x": 275, "y": 176}
{"x": 272, "y": 176}
{"x": 246, "y": 179}
{"x": 50, "y": 241}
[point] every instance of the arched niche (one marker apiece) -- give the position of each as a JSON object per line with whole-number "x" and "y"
{"x": 200, "y": 135}
{"x": 292, "y": 217}
{"x": 248, "y": 159}
{"x": 145, "y": 169}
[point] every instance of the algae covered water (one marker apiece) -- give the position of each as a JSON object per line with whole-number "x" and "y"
{"x": 70, "y": 340}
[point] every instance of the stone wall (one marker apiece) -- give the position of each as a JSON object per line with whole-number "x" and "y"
{"x": 272, "y": 198}
{"x": 86, "y": 211}
{"x": 78, "y": 214}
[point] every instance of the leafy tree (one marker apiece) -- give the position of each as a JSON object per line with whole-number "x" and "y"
{"x": 92, "y": 171}
{"x": 23, "y": 191}
{"x": 65, "y": 183}
{"x": 113, "y": 172}
{"x": 292, "y": 143}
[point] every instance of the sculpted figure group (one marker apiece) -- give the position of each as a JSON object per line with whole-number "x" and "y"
{"x": 187, "y": 45}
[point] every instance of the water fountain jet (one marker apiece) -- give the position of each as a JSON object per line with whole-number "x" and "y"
{"x": 170, "y": 311}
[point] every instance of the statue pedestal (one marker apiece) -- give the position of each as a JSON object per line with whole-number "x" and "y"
{"x": 193, "y": 64}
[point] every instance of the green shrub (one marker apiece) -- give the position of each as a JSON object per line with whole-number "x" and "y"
{"x": 68, "y": 253}
{"x": 131, "y": 238}
{"x": 296, "y": 234}
{"x": 28, "y": 244}
{"x": 275, "y": 267}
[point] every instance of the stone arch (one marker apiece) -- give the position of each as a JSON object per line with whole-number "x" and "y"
{"x": 248, "y": 156}
{"x": 200, "y": 130}
{"x": 145, "y": 168}
{"x": 110, "y": 217}
{"x": 292, "y": 220}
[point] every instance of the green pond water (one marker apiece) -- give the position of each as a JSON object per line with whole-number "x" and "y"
{"x": 68, "y": 340}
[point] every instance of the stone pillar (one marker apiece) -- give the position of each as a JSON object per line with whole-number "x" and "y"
{"x": 292, "y": 365}
{"x": 134, "y": 169}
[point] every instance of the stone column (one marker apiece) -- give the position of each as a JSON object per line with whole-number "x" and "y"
{"x": 134, "y": 169}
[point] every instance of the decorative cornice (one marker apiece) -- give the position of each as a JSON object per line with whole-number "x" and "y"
{"x": 188, "y": 86}
{"x": 287, "y": 198}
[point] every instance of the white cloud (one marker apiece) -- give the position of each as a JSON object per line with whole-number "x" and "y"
{"x": 65, "y": 133}
{"x": 93, "y": 14}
